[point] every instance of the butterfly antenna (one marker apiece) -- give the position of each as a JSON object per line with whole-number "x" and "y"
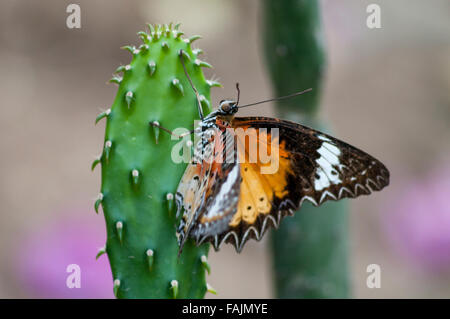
{"x": 238, "y": 93}
{"x": 199, "y": 103}
{"x": 278, "y": 98}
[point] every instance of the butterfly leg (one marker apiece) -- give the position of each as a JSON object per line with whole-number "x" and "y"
{"x": 156, "y": 124}
{"x": 199, "y": 101}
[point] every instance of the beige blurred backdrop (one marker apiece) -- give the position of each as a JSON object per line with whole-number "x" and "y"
{"x": 387, "y": 91}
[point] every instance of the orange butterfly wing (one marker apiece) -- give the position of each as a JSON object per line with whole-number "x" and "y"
{"x": 302, "y": 164}
{"x": 281, "y": 164}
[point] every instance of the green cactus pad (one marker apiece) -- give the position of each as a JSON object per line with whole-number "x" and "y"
{"x": 138, "y": 174}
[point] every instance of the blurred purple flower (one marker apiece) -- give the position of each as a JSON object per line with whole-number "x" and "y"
{"x": 417, "y": 222}
{"x": 72, "y": 239}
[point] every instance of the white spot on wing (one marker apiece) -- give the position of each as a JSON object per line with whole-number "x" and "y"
{"x": 321, "y": 182}
{"x": 328, "y": 158}
{"x": 323, "y": 138}
{"x": 327, "y": 169}
{"x": 217, "y": 205}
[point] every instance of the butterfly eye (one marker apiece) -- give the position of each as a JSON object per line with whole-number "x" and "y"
{"x": 226, "y": 107}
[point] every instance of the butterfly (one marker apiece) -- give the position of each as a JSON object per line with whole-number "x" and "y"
{"x": 248, "y": 173}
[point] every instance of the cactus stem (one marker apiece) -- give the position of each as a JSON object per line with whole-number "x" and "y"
{"x": 155, "y": 126}
{"x": 95, "y": 162}
{"x": 174, "y": 287}
{"x": 100, "y": 252}
{"x": 177, "y": 26}
{"x": 119, "y": 229}
{"x": 129, "y": 98}
{"x": 141, "y": 246}
{"x": 150, "y": 258}
{"x": 116, "y": 287}
{"x": 205, "y": 264}
{"x": 102, "y": 115}
{"x": 135, "y": 176}
{"x": 202, "y": 64}
{"x": 98, "y": 202}
{"x": 152, "y": 67}
{"x": 107, "y": 149}
{"x": 210, "y": 289}
{"x": 176, "y": 83}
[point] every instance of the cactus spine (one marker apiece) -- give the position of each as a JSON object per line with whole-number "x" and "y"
{"x": 138, "y": 175}
{"x": 310, "y": 251}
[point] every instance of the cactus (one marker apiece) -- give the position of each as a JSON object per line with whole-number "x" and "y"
{"x": 138, "y": 175}
{"x": 310, "y": 250}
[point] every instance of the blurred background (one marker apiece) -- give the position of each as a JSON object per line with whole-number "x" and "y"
{"x": 387, "y": 91}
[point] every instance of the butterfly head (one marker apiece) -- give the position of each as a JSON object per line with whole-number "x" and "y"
{"x": 227, "y": 107}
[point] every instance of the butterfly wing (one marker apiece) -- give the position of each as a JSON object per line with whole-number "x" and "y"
{"x": 209, "y": 189}
{"x": 225, "y": 201}
{"x": 189, "y": 197}
{"x": 311, "y": 166}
